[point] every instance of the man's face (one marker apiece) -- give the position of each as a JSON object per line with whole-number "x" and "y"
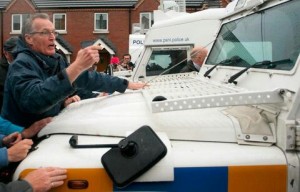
{"x": 126, "y": 59}
{"x": 42, "y": 38}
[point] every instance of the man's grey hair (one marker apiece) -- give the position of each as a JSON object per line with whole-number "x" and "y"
{"x": 27, "y": 27}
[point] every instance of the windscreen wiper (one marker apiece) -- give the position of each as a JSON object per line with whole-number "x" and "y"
{"x": 267, "y": 63}
{"x": 270, "y": 64}
{"x": 232, "y": 60}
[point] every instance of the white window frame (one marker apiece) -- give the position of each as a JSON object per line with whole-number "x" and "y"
{"x": 65, "y": 16}
{"x": 21, "y": 19}
{"x": 95, "y": 20}
{"x": 145, "y": 28}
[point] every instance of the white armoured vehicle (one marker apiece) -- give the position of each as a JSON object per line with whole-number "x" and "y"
{"x": 233, "y": 127}
{"x": 170, "y": 40}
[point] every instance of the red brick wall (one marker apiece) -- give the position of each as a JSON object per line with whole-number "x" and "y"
{"x": 16, "y": 7}
{"x": 80, "y": 27}
{"x": 80, "y": 23}
{"x": 225, "y": 2}
{"x": 143, "y": 6}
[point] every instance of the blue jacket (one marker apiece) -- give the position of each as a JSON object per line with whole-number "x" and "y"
{"x": 6, "y": 128}
{"x": 3, "y": 154}
{"x": 37, "y": 85}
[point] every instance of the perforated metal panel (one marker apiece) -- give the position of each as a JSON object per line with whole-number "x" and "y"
{"x": 188, "y": 92}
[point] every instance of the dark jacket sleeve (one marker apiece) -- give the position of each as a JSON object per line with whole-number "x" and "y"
{"x": 95, "y": 81}
{"x": 85, "y": 94}
{"x": 38, "y": 91}
{"x": 16, "y": 186}
{"x": 34, "y": 91}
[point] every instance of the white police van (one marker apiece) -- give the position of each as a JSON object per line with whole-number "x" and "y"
{"x": 170, "y": 39}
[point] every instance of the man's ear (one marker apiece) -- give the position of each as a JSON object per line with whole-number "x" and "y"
{"x": 28, "y": 39}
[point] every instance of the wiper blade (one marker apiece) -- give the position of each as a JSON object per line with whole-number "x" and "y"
{"x": 232, "y": 60}
{"x": 269, "y": 64}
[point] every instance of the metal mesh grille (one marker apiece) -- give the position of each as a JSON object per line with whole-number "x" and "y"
{"x": 181, "y": 92}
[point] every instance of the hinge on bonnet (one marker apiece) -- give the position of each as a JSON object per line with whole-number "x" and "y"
{"x": 293, "y": 136}
{"x": 297, "y": 137}
{"x": 257, "y": 139}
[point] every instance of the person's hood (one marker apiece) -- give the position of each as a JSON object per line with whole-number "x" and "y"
{"x": 4, "y": 63}
{"x": 20, "y": 47}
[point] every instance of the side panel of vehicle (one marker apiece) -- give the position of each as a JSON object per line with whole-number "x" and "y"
{"x": 198, "y": 166}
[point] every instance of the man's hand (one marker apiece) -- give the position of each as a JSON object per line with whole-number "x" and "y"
{"x": 19, "y": 151}
{"x": 12, "y": 139}
{"x": 85, "y": 59}
{"x": 70, "y": 100}
{"x": 35, "y": 127}
{"x": 135, "y": 86}
{"x": 44, "y": 179}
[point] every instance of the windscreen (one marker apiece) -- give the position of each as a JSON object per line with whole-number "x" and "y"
{"x": 267, "y": 39}
{"x": 166, "y": 61}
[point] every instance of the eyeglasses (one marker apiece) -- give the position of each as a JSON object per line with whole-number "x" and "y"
{"x": 45, "y": 33}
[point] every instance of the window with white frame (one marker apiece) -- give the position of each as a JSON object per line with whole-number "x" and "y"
{"x": 101, "y": 22}
{"x": 18, "y": 21}
{"x": 59, "y": 21}
{"x": 146, "y": 21}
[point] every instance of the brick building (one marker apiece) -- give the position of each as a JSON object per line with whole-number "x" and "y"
{"x": 84, "y": 22}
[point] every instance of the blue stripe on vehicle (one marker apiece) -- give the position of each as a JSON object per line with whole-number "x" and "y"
{"x": 202, "y": 179}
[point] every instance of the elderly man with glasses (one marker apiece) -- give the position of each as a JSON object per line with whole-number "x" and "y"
{"x": 40, "y": 80}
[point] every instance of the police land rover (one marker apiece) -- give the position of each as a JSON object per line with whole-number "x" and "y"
{"x": 232, "y": 127}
